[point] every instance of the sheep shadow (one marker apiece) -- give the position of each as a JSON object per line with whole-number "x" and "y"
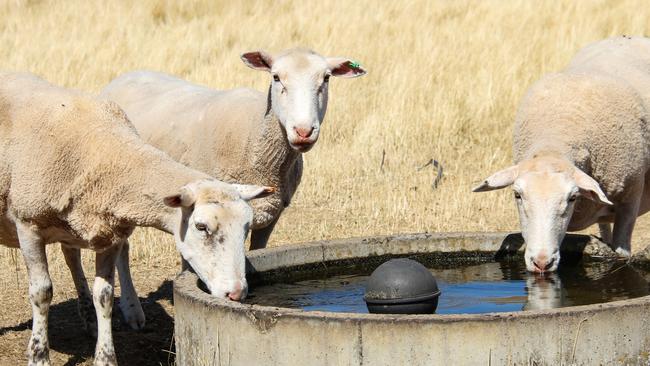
{"x": 152, "y": 345}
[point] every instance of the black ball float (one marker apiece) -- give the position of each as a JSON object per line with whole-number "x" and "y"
{"x": 402, "y": 286}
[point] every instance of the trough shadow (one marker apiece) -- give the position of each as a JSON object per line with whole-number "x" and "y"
{"x": 509, "y": 246}
{"x": 152, "y": 345}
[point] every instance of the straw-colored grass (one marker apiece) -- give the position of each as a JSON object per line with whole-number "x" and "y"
{"x": 444, "y": 81}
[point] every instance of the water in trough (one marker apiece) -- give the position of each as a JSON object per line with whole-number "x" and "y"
{"x": 469, "y": 289}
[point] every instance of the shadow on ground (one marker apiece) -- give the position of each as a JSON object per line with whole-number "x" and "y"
{"x": 151, "y": 346}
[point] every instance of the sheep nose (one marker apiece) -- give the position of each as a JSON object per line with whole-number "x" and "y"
{"x": 238, "y": 293}
{"x": 304, "y": 132}
{"x": 543, "y": 265}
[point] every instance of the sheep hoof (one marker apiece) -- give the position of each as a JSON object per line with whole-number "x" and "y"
{"x": 623, "y": 252}
{"x": 133, "y": 314}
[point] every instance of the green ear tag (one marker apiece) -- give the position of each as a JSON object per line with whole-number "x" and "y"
{"x": 354, "y": 65}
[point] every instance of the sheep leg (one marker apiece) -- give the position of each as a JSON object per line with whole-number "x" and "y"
{"x": 84, "y": 299}
{"x": 40, "y": 294}
{"x": 103, "y": 293}
{"x": 129, "y": 303}
{"x": 626, "y": 214}
{"x": 606, "y": 233}
{"x": 260, "y": 237}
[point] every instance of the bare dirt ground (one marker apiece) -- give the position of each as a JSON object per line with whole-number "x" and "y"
{"x": 70, "y": 344}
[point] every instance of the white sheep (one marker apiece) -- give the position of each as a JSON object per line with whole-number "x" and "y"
{"x": 73, "y": 170}
{"x": 239, "y": 135}
{"x": 581, "y": 143}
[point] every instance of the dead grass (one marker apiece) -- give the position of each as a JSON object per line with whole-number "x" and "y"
{"x": 445, "y": 78}
{"x": 444, "y": 81}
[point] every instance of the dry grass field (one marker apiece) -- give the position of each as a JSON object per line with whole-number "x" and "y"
{"x": 444, "y": 81}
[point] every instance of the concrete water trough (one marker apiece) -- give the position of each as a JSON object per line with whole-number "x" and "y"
{"x": 210, "y": 331}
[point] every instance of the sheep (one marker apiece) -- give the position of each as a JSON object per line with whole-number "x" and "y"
{"x": 239, "y": 135}
{"x": 73, "y": 170}
{"x": 580, "y": 148}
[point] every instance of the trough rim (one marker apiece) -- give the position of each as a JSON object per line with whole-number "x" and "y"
{"x": 185, "y": 287}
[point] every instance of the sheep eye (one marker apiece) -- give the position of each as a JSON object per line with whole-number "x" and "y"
{"x": 326, "y": 79}
{"x": 517, "y": 196}
{"x": 276, "y": 78}
{"x": 201, "y": 227}
{"x": 573, "y": 198}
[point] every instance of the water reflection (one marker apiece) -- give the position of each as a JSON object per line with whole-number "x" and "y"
{"x": 489, "y": 287}
{"x": 543, "y": 292}
{"x": 583, "y": 285}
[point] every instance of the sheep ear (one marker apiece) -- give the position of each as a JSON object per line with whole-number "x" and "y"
{"x": 589, "y": 188}
{"x": 258, "y": 60}
{"x": 344, "y": 67}
{"x": 184, "y": 198}
{"x": 498, "y": 180}
{"x": 251, "y": 192}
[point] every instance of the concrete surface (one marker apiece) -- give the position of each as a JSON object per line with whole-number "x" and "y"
{"x": 209, "y": 331}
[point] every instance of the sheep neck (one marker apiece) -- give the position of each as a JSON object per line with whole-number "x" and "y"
{"x": 141, "y": 199}
{"x": 272, "y": 155}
